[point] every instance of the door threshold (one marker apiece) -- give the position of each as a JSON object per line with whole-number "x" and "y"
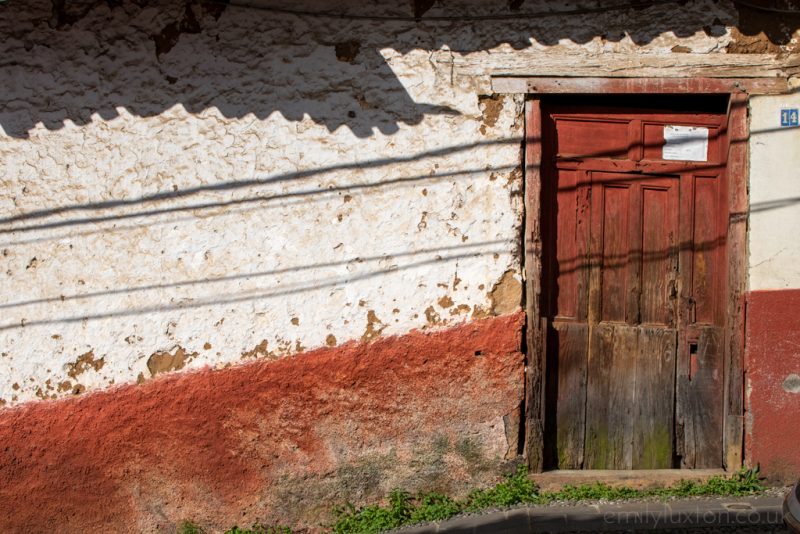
{"x": 636, "y": 479}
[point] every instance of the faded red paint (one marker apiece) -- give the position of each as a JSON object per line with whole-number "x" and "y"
{"x": 268, "y": 441}
{"x": 773, "y": 354}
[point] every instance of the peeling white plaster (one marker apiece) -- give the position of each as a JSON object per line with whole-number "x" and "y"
{"x": 248, "y": 186}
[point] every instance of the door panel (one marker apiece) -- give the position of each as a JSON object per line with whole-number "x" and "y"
{"x": 706, "y": 250}
{"x": 569, "y": 249}
{"x": 611, "y": 211}
{"x": 659, "y": 262}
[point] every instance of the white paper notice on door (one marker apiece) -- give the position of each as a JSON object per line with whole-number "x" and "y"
{"x": 686, "y": 143}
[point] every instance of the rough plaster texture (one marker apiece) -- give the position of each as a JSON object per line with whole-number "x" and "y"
{"x": 279, "y": 442}
{"x": 774, "y": 195}
{"x": 187, "y": 186}
{"x": 773, "y": 384}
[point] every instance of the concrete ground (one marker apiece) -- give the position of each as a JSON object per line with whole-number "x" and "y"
{"x": 740, "y": 515}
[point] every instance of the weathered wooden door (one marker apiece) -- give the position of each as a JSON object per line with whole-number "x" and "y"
{"x": 634, "y": 218}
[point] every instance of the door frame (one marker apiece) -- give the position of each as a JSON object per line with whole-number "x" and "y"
{"x": 736, "y": 242}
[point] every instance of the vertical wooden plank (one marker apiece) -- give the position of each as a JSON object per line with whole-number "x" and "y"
{"x": 654, "y": 395}
{"x": 567, "y": 339}
{"x": 612, "y": 344}
{"x": 571, "y": 340}
{"x": 738, "y": 132}
{"x": 699, "y": 409}
{"x": 635, "y": 140}
{"x": 654, "y": 398}
{"x": 595, "y": 256}
{"x": 683, "y": 304}
{"x": 600, "y": 448}
{"x": 609, "y": 397}
{"x": 699, "y": 384}
{"x": 532, "y": 242}
{"x": 582, "y": 237}
{"x": 623, "y": 380}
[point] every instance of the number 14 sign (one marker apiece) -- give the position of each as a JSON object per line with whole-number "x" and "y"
{"x": 789, "y": 117}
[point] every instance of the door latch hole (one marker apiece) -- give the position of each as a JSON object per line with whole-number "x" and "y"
{"x": 692, "y": 359}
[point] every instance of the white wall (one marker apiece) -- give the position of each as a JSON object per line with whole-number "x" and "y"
{"x": 247, "y": 194}
{"x": 774, "y": 233}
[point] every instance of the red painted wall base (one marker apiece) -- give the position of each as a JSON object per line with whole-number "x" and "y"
{"x": 772, "y": 355}
{"x": 277, "y": 441}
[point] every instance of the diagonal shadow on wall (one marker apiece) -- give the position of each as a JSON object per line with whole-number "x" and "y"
{"x": 83, "y": 60}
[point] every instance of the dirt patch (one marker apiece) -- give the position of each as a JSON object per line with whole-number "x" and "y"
{"x": 506, "y": 295}
{"x": 374, "y": 327}
{"x": 479, "y": 312}
{"x": 511, "y": 424}
{"x": 259, "y": 351}
{"x": 84, "y": 362}
{"x": 445, "y": 302}
{"x": 491, "y": 106}
{"x": 763, "y": 32}
{"x": 330, "y": 340}
{"x": 163, "y": 362}
{"x": 515, "y": 178}
{"x": 751, "y": 44}
{"x": 347, "y": 52}
{"x": 189, "y": 22}
{"x": 460, "y": 309}
{"x": 432, "y": 317}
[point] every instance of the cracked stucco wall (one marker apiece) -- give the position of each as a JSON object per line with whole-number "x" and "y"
{"x": 185, "y": 187}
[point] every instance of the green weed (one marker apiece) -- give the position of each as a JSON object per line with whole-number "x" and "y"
{"x": 189, "y": 527}
{"x": 403, "y": 509}
{"x": 591, "y": 492}
{"x": 742, "y": 482}
{"x": 260, "y": 529}
{"x": 515, "y": 489}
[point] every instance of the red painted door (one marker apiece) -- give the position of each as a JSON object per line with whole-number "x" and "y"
{"x": 634, "y": 221}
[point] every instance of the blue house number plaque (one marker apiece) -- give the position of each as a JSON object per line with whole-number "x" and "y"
{"x": 789, "y": 117}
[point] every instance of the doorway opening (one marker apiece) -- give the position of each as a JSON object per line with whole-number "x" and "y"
{"x": 637, "y": 267}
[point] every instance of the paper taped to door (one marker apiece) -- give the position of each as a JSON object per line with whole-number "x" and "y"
{"x": 686, "y": 143}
